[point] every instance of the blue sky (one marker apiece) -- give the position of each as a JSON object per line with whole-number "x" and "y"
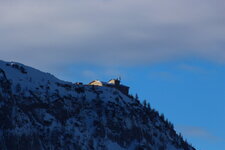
{"x": 171, "y": 53}
{"x": 189, "y": 92}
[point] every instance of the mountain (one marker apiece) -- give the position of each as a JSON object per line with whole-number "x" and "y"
{"x": 40, "y": 112}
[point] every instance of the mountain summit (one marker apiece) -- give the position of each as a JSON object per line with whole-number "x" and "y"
{"x": 40, "y": 112}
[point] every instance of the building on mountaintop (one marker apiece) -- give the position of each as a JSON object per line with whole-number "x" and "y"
{"x": 114, "y": 83}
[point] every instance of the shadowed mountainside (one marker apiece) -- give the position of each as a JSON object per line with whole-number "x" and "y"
{"x": 41, "y": 112}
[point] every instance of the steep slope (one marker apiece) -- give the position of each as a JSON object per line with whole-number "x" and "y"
{"x": 39, "y": 111}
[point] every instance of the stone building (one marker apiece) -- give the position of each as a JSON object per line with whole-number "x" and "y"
{"x": 115, "y": 83}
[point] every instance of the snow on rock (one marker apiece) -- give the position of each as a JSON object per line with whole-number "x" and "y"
{"x": 39, "y": 111}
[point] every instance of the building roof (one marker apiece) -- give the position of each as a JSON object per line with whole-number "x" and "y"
{"x": 101, "y": 82}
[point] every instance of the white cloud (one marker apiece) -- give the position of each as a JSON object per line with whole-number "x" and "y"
{"x": 192, "y": 68}
{"x": 198, "y": 132}
{"x": 113, "y": 32}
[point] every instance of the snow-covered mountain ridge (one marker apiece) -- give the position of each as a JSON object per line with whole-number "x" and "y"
{"x": 40, "y": 112}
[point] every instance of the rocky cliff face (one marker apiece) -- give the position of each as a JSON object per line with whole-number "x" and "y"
{"x": 41, "y": 112}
